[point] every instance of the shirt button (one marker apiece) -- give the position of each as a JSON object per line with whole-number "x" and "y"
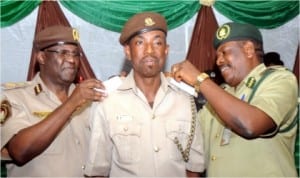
{"x": 213, "y": 158}
{"x": 153, "y": 117}
{"x": 125, "y": 129}
{"x": 83, "y": 167}
{"x": 77, "y": 142}
{"x": 217, "y": 135}
{"x": 156, "y": 149}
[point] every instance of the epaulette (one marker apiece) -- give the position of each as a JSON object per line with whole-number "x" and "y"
{"x": 14, "y": 85}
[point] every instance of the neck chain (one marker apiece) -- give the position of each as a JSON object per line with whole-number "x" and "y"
{"x": 186, "y": 152}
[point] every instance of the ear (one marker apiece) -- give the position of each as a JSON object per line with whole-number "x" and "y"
{"x": 126, "y": 49}
{"x": 249, "y": 49}
{"x": 41, "y": 57}
{"x": 167, "y": 49}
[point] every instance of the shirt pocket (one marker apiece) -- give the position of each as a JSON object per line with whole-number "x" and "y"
{"x": 179, "y": 129}
{"x": 126, "y": 137}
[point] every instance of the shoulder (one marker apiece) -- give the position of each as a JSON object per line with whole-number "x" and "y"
{"x": 15, "y": 85}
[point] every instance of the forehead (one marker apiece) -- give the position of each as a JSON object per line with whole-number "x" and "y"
{"x": 151, "y": 34}
{"x": 225, "y": 45}
{"x": 65, "y": 46}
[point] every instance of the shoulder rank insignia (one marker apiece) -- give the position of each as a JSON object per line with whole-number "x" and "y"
{"x": 41, "y": 114}
{"x": 38, "y": 89}
{"x": 250, "y": 82}
{"x": 13, "y": 85}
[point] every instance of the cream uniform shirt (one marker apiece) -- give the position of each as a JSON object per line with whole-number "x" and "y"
{"x": 229, "y": 155}
{"x": 129, "y": 138}
{"x": 65, "y": 155}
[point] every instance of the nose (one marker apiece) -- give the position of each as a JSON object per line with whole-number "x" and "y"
{"x": 149, "y": 49}
{"x": 220, "y": 60}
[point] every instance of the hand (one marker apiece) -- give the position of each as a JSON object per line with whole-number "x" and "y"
{"x": 185, "y": 71}
{"x": 85, "y": 91}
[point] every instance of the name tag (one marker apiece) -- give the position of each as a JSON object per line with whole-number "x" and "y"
{"x": 226, "y": 137}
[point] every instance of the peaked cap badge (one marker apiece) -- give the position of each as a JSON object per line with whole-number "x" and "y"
{"x": 75, "y": 35}
{"x": 149, "y": 21}
{"x": 223, "y": 32}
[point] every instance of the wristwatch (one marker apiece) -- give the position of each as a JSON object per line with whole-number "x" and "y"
{"x": 200, "y": 78}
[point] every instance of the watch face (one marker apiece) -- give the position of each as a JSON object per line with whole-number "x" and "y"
{"x": 202, "y": 77}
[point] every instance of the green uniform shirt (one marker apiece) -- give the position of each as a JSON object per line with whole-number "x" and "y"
{"x": 264, "y": 157}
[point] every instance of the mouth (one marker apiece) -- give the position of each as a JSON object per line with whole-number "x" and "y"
{"x": 150, "y": 61}
{"x": 224, "y": 68}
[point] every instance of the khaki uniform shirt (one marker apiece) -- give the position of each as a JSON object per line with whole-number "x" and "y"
{"x": 129, "y": 138}
{"x": 264, "y": 157}
{"x": 65, "y": 155}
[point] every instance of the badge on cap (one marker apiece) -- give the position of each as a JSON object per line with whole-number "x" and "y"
{"x": 149, "y": 21}
{"x": 75, "y": 35}
{"x": 223, "y": 32}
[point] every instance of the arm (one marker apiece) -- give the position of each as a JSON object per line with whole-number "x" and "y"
{"x": 32, "y": 141}
{"x": 236, "y": 114}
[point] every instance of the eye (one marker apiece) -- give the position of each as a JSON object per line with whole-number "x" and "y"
{"x": 139, "y": 42}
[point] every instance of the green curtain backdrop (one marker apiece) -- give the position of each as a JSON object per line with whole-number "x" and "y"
{"x": 14, "y": 11}
{"x": 112, "y": 14}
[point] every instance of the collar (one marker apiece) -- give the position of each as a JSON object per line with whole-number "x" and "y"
{"x": 129, "y": 83}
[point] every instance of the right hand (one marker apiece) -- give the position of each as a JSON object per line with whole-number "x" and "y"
{"x": 85, "y": 92}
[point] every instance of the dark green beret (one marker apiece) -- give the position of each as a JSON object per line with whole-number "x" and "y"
{"x": 55, "y": 35}
{"x": 233, "y": 31}
{"x": 141, "y": 23}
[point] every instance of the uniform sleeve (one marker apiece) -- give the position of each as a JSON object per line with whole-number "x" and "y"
{"x": 18, "y": 120}
{"x": 277, "y": 96}
{"x": 99, "y": 156}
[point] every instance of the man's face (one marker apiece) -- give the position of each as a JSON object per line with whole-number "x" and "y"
{"x": 61, "y": 62}
{"x": 233, "y": 62}
{"x": 148, "y": 52}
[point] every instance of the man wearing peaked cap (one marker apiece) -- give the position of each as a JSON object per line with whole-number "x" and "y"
{"x": 141, "y": 23}
{"x": 250, "y": 121}
{"x": 47, "y": 133}
{"x": 55, "y": 35}
{"x": 151, "y": 136}
{"x": 236, "y": 32}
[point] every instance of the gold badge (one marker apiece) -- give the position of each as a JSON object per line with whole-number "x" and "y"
{"x": 75, "y": 35}
{"x": 149, "y": 21}
{"x": 223, "y": 32}
{"x": 38, "y": 89}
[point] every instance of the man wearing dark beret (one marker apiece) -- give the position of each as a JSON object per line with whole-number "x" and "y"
{"x": 47, "y": 133}
{"x": 249, "y": 127}
{"x": 147, "y": 127}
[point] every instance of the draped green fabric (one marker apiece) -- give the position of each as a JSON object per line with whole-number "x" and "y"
{"x": 264, "y": 14}
{"x": 112, "y": 14}
{"x": 14, "y": 11}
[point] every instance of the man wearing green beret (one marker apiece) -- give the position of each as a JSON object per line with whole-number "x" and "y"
{"x": 47, "y": 133}
{"x": 247, "y": 126}
{"x": 147, "y": 127}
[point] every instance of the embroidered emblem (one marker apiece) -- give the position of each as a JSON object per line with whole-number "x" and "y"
{"x": 223, "y": 32}
{"x": 149, "y": 21}
{"x": 250, "y": 82}
{"x": 75, "y": 35}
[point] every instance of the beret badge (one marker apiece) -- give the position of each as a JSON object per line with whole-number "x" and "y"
{"x": 149, "y": 22}
{"x": 223, "y": 32}
{"x": 75, "y": 35}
